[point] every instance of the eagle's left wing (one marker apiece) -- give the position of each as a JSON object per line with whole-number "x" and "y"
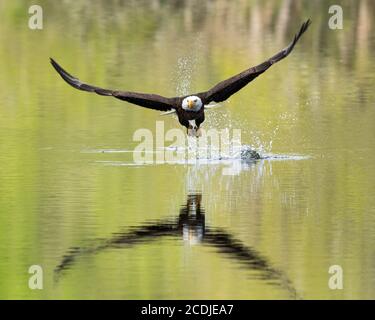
{"x": 223, "y": 90}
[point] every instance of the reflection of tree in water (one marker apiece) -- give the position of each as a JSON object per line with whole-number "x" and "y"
{"x": 191, "y": 226}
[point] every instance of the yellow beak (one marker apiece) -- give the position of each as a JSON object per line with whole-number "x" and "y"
{"x": 191, "y": 104}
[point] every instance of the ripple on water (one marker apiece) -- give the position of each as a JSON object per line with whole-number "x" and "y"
{"x": 189, "y": 156}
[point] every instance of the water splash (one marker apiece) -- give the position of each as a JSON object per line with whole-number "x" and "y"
{"x": 194, "y": 154}
{"x": 183, "y": 78}
{"x": 188, "y": 67}
{"x": 263, "y": 140}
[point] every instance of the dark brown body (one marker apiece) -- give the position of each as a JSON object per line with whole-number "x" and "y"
{"x": 184, "y": 117}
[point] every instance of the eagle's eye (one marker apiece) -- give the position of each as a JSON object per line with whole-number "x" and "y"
{"x": 195, "y": 100}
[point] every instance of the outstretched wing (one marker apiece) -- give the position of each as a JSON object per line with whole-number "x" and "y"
{"x": 223, "y": 90}
{"x": 152, "y": 101}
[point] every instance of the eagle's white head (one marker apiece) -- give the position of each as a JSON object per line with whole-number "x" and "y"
{"x": 192, "y": 103}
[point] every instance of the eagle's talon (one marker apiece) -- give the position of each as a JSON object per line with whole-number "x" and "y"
{"x": 198, "y": 133}
{"x": 191, "y": 132}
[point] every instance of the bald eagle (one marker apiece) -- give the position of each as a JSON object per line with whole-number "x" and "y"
{"x": 189, "y": 109}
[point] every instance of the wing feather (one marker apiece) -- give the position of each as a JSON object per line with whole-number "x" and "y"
{"x": 151, "y": 101}
{"x": 223, "y": 90}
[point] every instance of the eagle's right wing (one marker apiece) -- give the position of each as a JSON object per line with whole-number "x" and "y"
{"x": 152, "y": 101}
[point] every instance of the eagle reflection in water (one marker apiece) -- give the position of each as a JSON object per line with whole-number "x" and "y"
{"x": 191, "y": 227}
{"x": 191, "y": 220}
